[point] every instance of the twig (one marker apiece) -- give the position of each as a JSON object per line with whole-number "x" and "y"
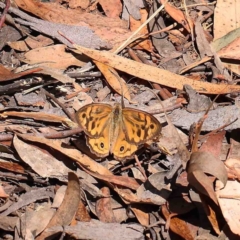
{"x": 217, "y": 130}
{"x": 140, "y": 167}
{"x": 57, "y": 135}
{"x": 130, "y": 39}
{"x": 199, "y": 4}
{"x": 2, "y": 20}
{"x": 72, "y": 117}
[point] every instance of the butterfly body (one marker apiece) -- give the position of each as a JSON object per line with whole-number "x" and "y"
{"x": 116, "y": 130}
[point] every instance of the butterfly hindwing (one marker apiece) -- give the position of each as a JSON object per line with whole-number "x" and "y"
{"x": 122, "y": 149}
{"x": 140, "y": 126}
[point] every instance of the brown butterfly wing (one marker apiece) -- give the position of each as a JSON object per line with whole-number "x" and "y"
{"x": 140, "y": 126}
{"x": 95, "y": 120}
{"x": 136, "y": 127}
{"x": 122, "y": 149}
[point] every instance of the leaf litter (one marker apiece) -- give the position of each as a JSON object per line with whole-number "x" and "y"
{"x": 169, "y": 59}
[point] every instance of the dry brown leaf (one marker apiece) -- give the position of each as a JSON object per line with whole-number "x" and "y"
{"x": 213, "y": 144}
{"x": 29, "y": 197}
{"x": 76, "y": 3}
{"x": 104, "y": 208}
{"x": 141, "y": 214}
{"x": 201, "y": 163}
{"x": 41, "y": 116}
{"x": 178, "y": 15}
{"x": 89, "y": 164}
{"x": 177, "y": 225}
{"x": 8, "y": 223}
{"x": 19, "y": 46}
{"x": 52, "y": 57}
{"x": 3, "y": 193}
{"x": 12, "y": 167}
{"x": 31, "y": 43}
{"x": 39, "y": 41}
{"x": 229, "y": 45}
{"x": 74, "y": 154}
{"x": 135, "y": 24}
{"x": 113, "y": 81}
{"x": 82, "y": 213}
{"x": 36, "y": 221}
{"x": 112, "y": 8}
{"x": 6, "y": 75}
{"x": 225, "y": 21}
{"x": 69, "y": 206}
{"x": 101, "y": 231}
{"x": 114, "y": 31}
{"x": 154, "y": 74}
{"x": 233, "y": 167}
{"x": 230, "y": 205}
{"x": 58, "y": 75}
{"x": 44, "y": 164}
{"x": 124, "y": 181}
{"x": 213, "y": 213}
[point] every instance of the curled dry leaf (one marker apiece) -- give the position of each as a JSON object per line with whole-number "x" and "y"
{"x": 201, "y": 163}
{"x": 214, "y": 144}
{"x": 69, "y": 206}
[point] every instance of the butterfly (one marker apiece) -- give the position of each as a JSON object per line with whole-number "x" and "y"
{"x": 116, "y": 130}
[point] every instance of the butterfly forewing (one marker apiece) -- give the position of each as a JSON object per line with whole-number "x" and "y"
{"x": 94, "y": 118}
{"x": 140, "y": 126}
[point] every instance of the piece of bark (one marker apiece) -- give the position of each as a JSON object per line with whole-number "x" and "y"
{"x": 77, "y": 34}
{"x": 98, "y": 230}
{"x": 197, "y": 102}
{"x": 29, "y": 197}
{"x": 216, "y": 118}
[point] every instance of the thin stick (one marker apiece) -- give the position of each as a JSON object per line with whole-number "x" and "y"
{"x": 140, "y": 167}
{"x": 60, "y": 104}
{"x": 129, "y": 40}
{"x": 4, "y": 13}
{"x": 199, "y": 4}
